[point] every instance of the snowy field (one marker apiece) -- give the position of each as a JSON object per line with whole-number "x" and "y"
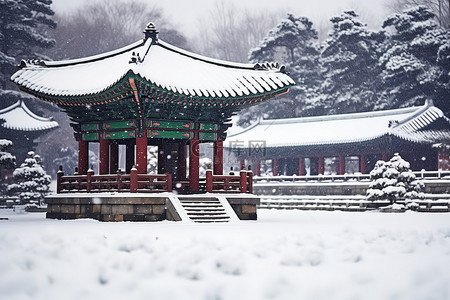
{"x": 283, "y": 255}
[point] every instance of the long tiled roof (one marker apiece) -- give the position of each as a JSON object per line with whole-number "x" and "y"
{"x": 424, "y": 124}
{"x": 19, "y": 117}
{"x": 161, "y": 64}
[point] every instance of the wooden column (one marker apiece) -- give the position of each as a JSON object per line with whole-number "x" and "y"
{"x": 104, "y": 157}
{"x": 242, "y": 164}
{"x": 141, "y": 155}
{"x": 321, "y": 165}
{"x": 129, "y": 160}
{"x": 218, "y": 158}
{"x": 384, "y": 156}
{"x": 83, "y": 157}
{"x": 181, "y": 162}
{"x": 362, "y": 160}
{"x": 274, "y": 167}
{"x": 300, "y": 166}
{"x": 194, "y": 162}
{"x": 257, "y": 167}
{"x": 113, "y": 157}
{"x": 341, "y": 164}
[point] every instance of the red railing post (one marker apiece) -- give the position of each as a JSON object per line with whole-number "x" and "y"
{"x": 90, "y": 172}
{"x": 59, "y": 176}
{"x": 243, "y": 181}
{"x": 209, "y": 181}
{"x": 169, "y": 182}
{"x": 119, "y": 181}
{"x": 250, "y": 182}
{"x": 133, "y": 180}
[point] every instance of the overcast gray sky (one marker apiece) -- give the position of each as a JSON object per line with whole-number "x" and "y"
{"x": 185, "y": 13}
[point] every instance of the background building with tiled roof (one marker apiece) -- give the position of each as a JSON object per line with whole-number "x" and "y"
{"x": 346, "y": 143}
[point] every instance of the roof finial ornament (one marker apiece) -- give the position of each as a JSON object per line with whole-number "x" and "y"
{"x": 151, "y": 32}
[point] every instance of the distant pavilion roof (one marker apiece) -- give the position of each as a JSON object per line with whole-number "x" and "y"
{"x": 424, "y": 124}
{"x": 19, "y": 117}
{"x": 154, "y": 70}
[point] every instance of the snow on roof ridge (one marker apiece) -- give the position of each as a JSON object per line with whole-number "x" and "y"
{"x": 92, "y": 58}
{"x": 205, "y": 58}
{"x": 359, "y": 115}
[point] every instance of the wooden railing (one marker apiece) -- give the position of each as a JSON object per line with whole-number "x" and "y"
{"x": 134, "y": 183}
{"x": 242, "y": 183}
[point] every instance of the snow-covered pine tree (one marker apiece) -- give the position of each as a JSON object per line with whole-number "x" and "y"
{"x": 7, "y": 162}
{"x": 393, "y": 180}
{"x": 293, "y": 42}
{"x": 415, "y": 66}
{"x": 350, "y": 70}
{"x": 23, "y": 31}
{"x": 31, "y": 181}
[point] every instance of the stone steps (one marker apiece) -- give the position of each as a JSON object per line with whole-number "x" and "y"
{"x": 204, "y": 210}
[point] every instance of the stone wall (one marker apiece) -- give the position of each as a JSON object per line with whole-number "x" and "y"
{"x": 104, "y": 208}
{"x": 244, "y": 207}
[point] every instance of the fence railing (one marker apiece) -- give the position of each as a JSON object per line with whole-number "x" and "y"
{"x": 146, "y": 183}
{"x": 426, "y": 175}
{"x": 242, "y": 183}
{"x": 133, "y": 183}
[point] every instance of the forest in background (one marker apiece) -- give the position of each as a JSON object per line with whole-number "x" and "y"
{"x": 340, "y": 67}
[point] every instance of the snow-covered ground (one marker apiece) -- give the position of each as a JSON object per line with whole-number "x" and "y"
{"x": 283, "y": 255}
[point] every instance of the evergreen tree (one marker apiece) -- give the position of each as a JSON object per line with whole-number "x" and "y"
{"x": 293, "y": 43}
{"x": 7, "y": 162}
{"x": 393, "y": 180}
{"x": 23, "y": 25}
{"x": 415, "y": 64}
{"x": 349, "y": 62}
{"x": 31, "y": 181}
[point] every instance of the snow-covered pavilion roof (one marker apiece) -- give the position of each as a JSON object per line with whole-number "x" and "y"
{"x": 19, "y": 117}
{"x": 425, "y": 124}
{"x": 163, "y": 65}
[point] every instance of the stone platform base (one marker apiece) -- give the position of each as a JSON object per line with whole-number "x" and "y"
{"x": 131, "y": 206}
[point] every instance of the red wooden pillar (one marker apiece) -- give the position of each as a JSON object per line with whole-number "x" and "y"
{"x": 341, "y": 164}
{"x": 242, "y": 164}
{"x": 300, "y": 166}
{"x": 257, "y": 167}
{"x": 83, "y": 157}
{"x": 141, "y": 155}
{"x": 181, "y": 162}
{"x": 384, "y": 156}
{"x": 104, "y": 157}
{"x": 274, "y": 167}
{"x": 129, "y": 160}
{"x": 243, "y": 181}
{"x": 218, "y": 158}
{"x": 362, "y": 160}
{"x": 320, "y": 165}
{"x": 113, "y": 157}
{"x": 194, "y": 161}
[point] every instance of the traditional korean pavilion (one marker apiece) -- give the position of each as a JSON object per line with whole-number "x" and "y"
{"x": 23, "y": 127}
{"x": 151, "y": 93}
{"x": 346, "y": 143}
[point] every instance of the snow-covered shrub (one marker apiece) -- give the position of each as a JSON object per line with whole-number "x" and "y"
{"x": 205, "y": 164}
{"x": 31, "y": 181}
{"x": 393, "y": 180}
